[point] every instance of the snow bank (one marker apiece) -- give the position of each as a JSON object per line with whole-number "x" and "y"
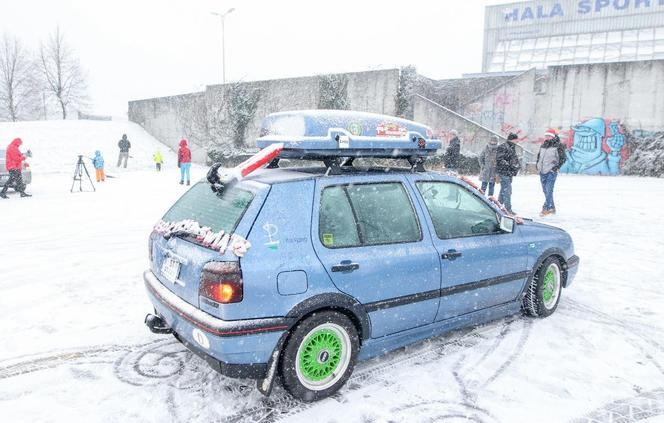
{"x": 55, "y": 145}
{"x": 646, "y": 156}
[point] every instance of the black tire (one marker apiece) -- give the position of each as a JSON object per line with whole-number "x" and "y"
{"x": 541, "y": 300}
{"x": 306, "y": 339}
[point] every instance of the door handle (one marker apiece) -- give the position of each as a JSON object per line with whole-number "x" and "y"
{"x": 345, "y": 266}
{"x": 451, "y": 255}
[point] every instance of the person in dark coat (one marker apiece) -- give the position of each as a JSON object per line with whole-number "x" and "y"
{"x": 550, "y": 158}
{"x": 507, "y": 167}
{"x": 488, "y": 165}
{"x": 14, "y": 164}
{"x": 453, "y": 152}
{"x": 184, "y": 161}
{"x": 124, "y": 145}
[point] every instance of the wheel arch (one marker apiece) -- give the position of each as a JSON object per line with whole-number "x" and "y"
{"x": 337, "y": 302}
{"x": 550, "y": 252}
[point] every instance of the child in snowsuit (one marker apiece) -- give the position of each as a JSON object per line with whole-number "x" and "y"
{"x": 98, "y": 163}
{"x": 158, "y": 160}
{"x": 184, "y": 161}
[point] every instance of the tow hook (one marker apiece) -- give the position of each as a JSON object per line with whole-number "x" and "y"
{"x": 156, "y": 324}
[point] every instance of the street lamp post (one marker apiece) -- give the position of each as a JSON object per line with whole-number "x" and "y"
{"x": 223, "y": 43}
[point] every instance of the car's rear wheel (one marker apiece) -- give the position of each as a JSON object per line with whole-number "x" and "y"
{"x": 319, "y": 356}
{"x": 543, "y": 293}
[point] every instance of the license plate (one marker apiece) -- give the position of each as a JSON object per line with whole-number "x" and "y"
{"x": 170, "y": 269}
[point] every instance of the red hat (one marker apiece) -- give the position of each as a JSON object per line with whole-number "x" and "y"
{"x": 183, "y": 142}
{"x": 551, "y": 132}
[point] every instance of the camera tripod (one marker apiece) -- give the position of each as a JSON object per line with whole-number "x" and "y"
{"x": 78, "y": 175}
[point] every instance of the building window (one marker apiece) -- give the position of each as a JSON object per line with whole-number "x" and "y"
{"x": 628, "y": 45}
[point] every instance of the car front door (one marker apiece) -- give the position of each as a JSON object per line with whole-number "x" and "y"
{"x": 481, "y": 265}
{"x": 367, "y": 234}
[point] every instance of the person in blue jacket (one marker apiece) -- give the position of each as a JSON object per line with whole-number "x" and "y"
{"x": 98, "y": 163}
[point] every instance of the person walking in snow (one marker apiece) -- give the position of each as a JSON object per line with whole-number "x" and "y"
{"x": 453, "y": 152}
{"x": 550, "y": 158}
{"x": 124, "y": 145}
{"x": 184, "y": 161}
{"x": 14, "y": 164}
{"x": 488, "y": 165}
{"x": 507, "y": 167}
{"x": 98, "y": 163}
{"x": 158, "y": 160}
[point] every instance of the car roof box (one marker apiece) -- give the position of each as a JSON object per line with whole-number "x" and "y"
{"x": 327, "y": 134}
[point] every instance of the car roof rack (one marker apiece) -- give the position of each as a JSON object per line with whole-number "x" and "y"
{"x": 338, "y": 137}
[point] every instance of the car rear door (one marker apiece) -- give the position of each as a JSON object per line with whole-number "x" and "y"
{"x": 367, "y": 233}
{"x": 481, "y": 265}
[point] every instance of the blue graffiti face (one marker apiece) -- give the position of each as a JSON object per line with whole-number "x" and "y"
{"x": 588, "y": 138}
{"x": 587, "y": 141}
{"x": 587, "y": 155}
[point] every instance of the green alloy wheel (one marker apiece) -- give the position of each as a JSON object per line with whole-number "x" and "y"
{"x": 319, "y": 356}
{"x": 543, "y": 292}
{"x": 551, "y": 286}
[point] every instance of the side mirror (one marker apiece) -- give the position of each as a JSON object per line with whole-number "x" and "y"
{"x": 506, "y": 224}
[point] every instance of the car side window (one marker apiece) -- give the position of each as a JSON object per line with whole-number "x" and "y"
{"x": 384, "y": 213}
{"x": 367, "y": 214}
{"x": 455, "y": 212}
{"x": 337, "y": 226}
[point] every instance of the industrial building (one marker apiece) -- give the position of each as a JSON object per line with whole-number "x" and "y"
{"x": 536, "y": 34}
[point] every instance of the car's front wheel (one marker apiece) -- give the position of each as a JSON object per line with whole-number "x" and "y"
{"x": 543, "y": 293}
{"x": 319, "y": 356}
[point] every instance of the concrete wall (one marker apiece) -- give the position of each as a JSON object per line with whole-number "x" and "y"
{"x": 203, "y": 117}
{"x": 473, "y": 136}
{"x": 562, "y": 96}
{"x": 631, "y": 92}
{"x": 442, "y": 120}
{"x": 160, "y": 118}
{"x": 509, "y": 105}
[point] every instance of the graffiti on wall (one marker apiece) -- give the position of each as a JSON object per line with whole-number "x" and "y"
{"x": 596, "y": 146}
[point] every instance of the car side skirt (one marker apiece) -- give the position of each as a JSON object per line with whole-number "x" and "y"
{"x": 378, "y": 346}
{"x": 451, "y": 290}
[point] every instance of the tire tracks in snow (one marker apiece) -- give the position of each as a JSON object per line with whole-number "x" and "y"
{"x": 645, "y": 405}
{"x": 34, "y": 363}
{"x": 640, "y": 407}
{"x": 632, "y": 329}
{"x": 283, "y": 406}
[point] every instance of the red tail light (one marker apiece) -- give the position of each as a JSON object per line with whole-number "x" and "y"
{"x": 222, "y": 282}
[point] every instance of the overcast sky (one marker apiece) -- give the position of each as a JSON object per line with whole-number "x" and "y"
{"x": 135, "y": 49}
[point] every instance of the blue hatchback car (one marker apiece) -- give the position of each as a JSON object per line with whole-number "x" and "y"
{"x": 299, "y": 272}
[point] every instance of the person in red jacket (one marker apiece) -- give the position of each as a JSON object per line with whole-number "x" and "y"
{"x": 184, "y": 161}
{"x": 14, "y": 164}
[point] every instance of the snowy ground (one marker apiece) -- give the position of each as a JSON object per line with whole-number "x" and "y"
{"x": 74, "y": 343}
{"x": 56, "y": 144}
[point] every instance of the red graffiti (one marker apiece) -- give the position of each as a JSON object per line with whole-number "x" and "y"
{"x": 503, "y": 99}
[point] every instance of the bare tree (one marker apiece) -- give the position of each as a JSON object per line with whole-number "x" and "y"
{"x": 19, "y": 87}
{"x": 63, "y": 76}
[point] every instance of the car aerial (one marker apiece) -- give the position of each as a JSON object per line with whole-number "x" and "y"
{"x": 4, "y": 174}
{"x": 296, "y": 273}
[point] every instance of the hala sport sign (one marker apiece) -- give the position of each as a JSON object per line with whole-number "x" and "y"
{"x": 581, "y": 8}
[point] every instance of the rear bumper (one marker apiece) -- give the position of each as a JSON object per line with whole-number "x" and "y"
{"x": 236, "y": 348}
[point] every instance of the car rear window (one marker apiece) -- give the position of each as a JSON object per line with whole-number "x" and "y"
{"x": 219, "y": 212}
